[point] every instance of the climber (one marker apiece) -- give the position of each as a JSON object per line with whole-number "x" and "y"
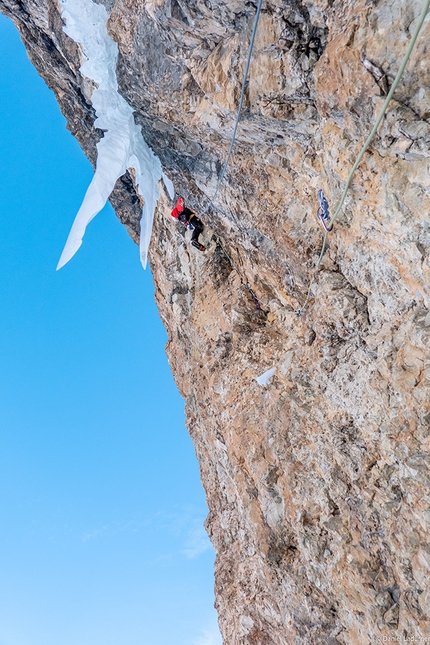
{"x": 190, "y": 220}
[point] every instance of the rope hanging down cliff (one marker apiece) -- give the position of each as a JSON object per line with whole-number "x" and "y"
{"x": 242, "y": 94}
{"x": 366, "y": 145}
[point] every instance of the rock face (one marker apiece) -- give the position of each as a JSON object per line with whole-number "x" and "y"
{"x": 317, "y": 481}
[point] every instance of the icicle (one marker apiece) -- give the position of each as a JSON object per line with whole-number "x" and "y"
{"x": 122, "y": 146}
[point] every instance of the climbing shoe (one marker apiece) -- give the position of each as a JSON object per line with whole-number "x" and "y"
{"x": 198, "y": 246}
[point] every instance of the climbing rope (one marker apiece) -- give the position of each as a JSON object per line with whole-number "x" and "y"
{"x": 242, "y": 94}
{"x": 366, "y": 145}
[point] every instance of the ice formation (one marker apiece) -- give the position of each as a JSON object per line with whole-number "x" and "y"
{"x": 266, "y": 376}
{"x": 122, "y": 146}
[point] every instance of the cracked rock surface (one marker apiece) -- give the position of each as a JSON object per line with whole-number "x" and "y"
{"x": 317, "y": 482}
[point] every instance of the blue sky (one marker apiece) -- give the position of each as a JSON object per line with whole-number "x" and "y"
{"x": 101, "y": 506}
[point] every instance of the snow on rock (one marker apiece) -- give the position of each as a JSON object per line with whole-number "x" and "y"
{"x": 169, "y": 186}
{"x": 122, "y": 146}
{"x": 264, "y": 379}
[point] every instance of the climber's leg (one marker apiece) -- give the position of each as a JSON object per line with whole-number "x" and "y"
{"x": 198, "y": 228}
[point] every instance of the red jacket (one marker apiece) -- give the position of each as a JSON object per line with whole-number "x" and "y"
{"x": 178, "y": 208}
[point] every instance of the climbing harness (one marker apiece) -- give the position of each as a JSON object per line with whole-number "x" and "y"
{"x": 323, "y": 212}
{"x": 242, "y": 94}
{"x": 363, "y": 150}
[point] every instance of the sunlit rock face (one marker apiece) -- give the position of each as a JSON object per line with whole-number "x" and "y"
{"x": 317, "y": 481}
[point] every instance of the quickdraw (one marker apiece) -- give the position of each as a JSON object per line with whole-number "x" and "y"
{"x": 323, "y": 213}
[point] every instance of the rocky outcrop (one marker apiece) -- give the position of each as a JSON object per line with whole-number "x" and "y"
{"x": 317, "y": 482}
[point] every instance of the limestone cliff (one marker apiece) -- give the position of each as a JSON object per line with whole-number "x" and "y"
{"x": 317, "y": 483}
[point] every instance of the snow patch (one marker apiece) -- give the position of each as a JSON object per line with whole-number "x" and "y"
{"x": 247, "y": 623}
{"x": 265, "y": 378}
{"x": 122, "y": 146}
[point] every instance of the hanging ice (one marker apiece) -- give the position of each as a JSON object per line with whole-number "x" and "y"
{"x": 122, "y": 146}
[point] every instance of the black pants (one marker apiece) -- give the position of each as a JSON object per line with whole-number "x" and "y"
{"x": 198, "y": 227}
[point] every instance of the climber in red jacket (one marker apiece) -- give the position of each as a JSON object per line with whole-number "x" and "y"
{"x": 190, "y": 220}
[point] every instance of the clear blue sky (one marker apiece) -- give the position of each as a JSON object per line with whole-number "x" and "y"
{"x": 101, "y": 506}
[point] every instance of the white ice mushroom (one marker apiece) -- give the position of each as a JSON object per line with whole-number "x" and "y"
{"x": 264, "y": 378}
{"x": 122, "y": 146}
